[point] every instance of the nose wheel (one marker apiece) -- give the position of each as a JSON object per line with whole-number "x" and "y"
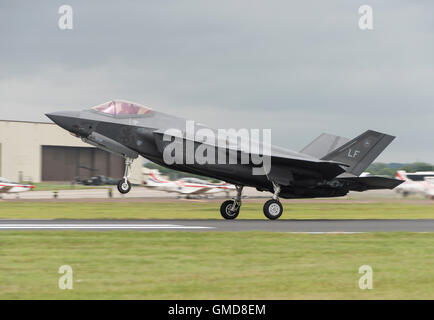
{"x": 124, "y": 186}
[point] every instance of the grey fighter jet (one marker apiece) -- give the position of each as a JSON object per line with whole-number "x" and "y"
{"x": 330, "y": 166}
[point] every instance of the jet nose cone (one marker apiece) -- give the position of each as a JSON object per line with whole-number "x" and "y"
{"x": 64, "y": 119}
{"x": 56, "y": 116}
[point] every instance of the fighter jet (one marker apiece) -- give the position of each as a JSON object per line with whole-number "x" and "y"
{"x": 328, "y": 167}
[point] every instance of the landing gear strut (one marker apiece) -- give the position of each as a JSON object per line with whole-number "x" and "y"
{"x": 231, "y": 208}
{"x": 124, "y": 186}
{"x": 273, "y": 208}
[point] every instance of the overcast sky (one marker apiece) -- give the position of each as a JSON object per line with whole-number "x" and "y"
{"x": 299, "y": 68}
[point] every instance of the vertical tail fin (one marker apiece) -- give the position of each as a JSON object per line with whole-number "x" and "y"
{"x": 401, "y": 175}
{"x": 360, "y": 152}
{"x": 154, "y": 179}
{"x": 323, "y": 145}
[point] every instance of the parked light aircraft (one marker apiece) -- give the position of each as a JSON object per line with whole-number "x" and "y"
{"x": 416, "y": 183}
{"x": 186, "y": 186}
{"x": 328, "y": 167}
{"x": 11, "y": 187}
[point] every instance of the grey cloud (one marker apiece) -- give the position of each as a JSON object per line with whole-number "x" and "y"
{"x": 299, "y": 68}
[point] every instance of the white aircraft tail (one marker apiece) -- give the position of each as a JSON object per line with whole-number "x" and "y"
{"x": 154, "y": 179}
{"x": 401, "y": 175}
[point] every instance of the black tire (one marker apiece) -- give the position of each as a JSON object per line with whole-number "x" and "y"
{"x": 273, "y": 209}
{"x": 226, "y": 212}
{"x": 124, "y": 188}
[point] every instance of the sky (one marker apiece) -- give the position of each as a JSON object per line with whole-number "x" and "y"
{"x": 299, "y": 68}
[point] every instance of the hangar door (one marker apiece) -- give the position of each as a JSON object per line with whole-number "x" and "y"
{"x": 66, "y": 163}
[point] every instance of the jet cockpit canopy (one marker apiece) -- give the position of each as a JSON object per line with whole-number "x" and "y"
{"x": 120, "y": 107}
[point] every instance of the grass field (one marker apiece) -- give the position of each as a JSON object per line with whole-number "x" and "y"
{"x": 210, "y": 210}
{"x": 220, "y": 265}
{"x": 43, "y": 186}
{"x": 187, "y": 265}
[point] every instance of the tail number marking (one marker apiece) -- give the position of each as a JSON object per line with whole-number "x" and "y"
{"x": 353, "y": 153}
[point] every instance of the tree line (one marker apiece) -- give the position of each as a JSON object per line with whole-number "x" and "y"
{"x": 389, "y": 169}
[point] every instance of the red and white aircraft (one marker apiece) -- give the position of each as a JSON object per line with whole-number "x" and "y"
{"x": 186, "y": 186}
{"x": 11, "y": 187}
{"x": 416, "y": 183}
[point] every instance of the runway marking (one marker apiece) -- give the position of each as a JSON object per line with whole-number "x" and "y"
{"x": 327, "y": 232}
{"x": 15, "y": 219}
{"x": 332, "y": 227}
{"x": 98, "y": 226}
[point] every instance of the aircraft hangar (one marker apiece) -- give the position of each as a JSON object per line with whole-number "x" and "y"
{"x": 41, "y": 151}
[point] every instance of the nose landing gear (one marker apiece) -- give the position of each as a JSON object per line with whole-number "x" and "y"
{"x": 124, "y": 186}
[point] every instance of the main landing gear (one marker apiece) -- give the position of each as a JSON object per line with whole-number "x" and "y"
{"x": 272, "y": 208}
{"x": 124, "y": 186}
{"x": 231, "y": 208}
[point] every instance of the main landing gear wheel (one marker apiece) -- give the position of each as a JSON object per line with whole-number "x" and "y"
{"x": 124, "y": 186}
{"x": 228, "y": 211}
{"x": 273, "y": 209}
{"x": 231, "y": 208}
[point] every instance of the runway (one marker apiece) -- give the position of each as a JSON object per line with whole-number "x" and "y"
{"x": 294, "y": 226}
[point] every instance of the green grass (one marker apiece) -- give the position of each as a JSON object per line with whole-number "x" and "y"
{"x": 210, "y": 210}
{"x": 215, "y": 265}
{"x": 43, "y": 186}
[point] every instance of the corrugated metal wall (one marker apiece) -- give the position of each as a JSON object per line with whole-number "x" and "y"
{"x": 61, "y": 163}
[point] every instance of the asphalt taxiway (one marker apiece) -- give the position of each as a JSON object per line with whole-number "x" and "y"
{"x": 283, "y": 225}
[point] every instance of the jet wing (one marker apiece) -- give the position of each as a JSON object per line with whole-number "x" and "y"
{"x": 282, "y": 169}
{"x": 371, "y": 183}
